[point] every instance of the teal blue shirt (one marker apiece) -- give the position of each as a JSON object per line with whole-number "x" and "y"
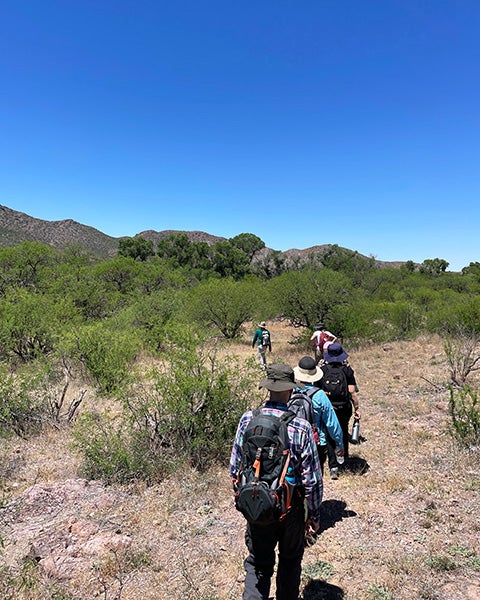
{"x": 325, "y": 417}
{"x": 258, "y": 338}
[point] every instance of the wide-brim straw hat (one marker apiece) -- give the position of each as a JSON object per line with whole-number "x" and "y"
{"x": 307, "y": 371}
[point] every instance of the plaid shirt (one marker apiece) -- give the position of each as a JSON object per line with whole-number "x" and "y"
{"x": 303, "y": 455}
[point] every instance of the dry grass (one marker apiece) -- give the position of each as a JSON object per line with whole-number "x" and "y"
{"x": 405, "y": 528}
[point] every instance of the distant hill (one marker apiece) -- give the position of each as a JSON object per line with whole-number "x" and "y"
{"x": 16, "y": 227}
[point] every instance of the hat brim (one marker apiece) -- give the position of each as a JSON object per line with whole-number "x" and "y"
{"x": 279, "y": 386}
{"x": 332, "y": 358}
{"x": 306, "y": 377}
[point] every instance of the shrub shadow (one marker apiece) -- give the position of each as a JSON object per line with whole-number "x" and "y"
{"x": 321, "y": 590}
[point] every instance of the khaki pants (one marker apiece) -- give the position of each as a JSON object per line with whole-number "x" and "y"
{"x": 262, "y": 355}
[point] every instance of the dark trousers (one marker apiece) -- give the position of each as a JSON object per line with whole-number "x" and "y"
{"x": 343, "y": 415}
{"x": 259, "y": 564}
{"x": 322, "y": 455}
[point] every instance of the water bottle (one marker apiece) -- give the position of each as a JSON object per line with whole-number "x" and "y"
{"x": 290, "y": 476}
{"x": 356, "y": 431}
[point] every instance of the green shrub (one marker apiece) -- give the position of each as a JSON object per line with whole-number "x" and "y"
{"x": 108, "y": 449}
{"x": 317, "y": 570}
{"x": 464, "y": 411}
{"x": 377, "y": 592}
{"x": 441, "y": 563}
{"x": 23, "y": 408}
{"x": 31, "y": 323}
{"x": 107, "y": 351}
{"x": 187, "y": 411}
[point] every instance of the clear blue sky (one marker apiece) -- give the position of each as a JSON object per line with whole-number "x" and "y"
{"x": 305, "y": 122}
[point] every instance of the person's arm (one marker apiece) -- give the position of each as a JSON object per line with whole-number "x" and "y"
{"x": 326, "y": 415}
{"x": 236, "y": 455}
{"x": 352, "y": 386}
{"x": 255, "y": 337}
{"x": 354, "y": 396}
{"x": 270, "y": 342}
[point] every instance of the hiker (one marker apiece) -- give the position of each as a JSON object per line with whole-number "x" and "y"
{"x": 338, "y": 382}
{"x": 320, "y": 340}
{"x": 323, "y": 418}
{"x": 262, "y": 339}
{"x": 289, "y": 532}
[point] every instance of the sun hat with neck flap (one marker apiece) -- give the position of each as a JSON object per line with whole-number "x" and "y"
{"x": 280, "y": 377}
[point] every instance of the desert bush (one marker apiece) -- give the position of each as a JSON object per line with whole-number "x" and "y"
{"x": 108, "y": 450}
{"x": 35, "y": 396}
{"x": 464, "y": 410}
{"x": 378, "y": 592}
{"x": 106, "y": 350}
{"x": 149, "y": 315}
{"x": 187, "y": 411}
{"x": 31, "y": 324}
{"x": 360, "y": 323}
{"x": 225, "y": 304}
{"x": 305, "y": 297}
{"x": 23, "y": 408}
{"x": 462, "y": 349}
{"x": 25, "y": 581}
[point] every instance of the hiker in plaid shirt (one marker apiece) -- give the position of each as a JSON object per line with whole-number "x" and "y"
{"x": 289, "y": 533}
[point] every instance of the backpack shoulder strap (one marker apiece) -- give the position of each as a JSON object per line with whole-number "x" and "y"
{"x": 287, "y": 416}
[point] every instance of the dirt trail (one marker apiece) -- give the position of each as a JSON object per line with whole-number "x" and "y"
{"x": 401, "y": 524}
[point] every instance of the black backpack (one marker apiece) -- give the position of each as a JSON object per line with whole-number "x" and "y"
{"x": 334, "y": 384}
{"x": 300, "y": 404}
{"x": 261, "y": 493}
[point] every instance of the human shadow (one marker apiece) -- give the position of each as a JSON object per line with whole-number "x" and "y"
{"x": 321, "y": 590}
{"x": 332, "y": 512}
{"x": 356, "y": 465}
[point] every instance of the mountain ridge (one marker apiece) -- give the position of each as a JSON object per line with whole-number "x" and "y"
{"x": 17, "y": 227}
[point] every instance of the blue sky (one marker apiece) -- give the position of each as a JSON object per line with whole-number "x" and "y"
{"x": 355, "y": 122}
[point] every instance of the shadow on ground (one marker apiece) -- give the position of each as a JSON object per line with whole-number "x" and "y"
{"x": 321, "y": 590}
{"x": 332, "y": 512}
{"x": 356, "y": 465}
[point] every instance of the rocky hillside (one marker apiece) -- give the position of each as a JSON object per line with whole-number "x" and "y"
{"x": 16, "y": 227}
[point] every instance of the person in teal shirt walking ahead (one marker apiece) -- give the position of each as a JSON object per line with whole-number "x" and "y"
{"x": 326, "y": 421}
{"x": 262, "y": 339}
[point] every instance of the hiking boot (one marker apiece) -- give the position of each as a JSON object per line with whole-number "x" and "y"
{"x": 334, "y": 473}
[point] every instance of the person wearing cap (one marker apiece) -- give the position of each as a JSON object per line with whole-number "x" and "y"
{"x": 288, "y": 534}
{"x": 336, "y": 355}
{"x": 262, "y": 339}
{"x": 320, "y": 340}
{"x": 326, "y": 421}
